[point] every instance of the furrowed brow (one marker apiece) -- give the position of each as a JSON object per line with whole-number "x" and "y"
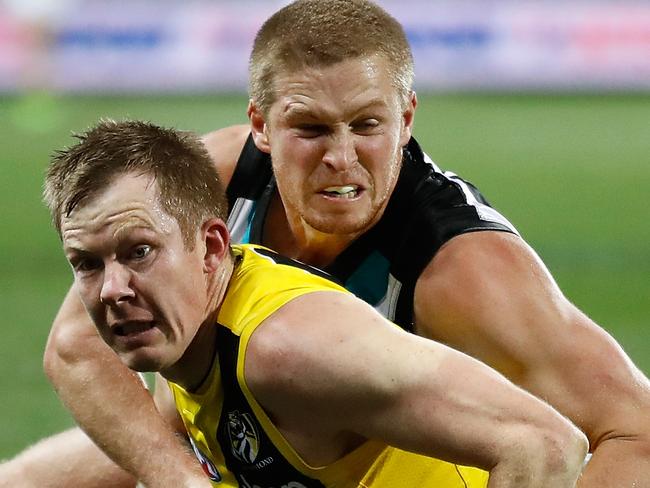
{"x": 73, "y": 253}
{"x": 125, "y": 230}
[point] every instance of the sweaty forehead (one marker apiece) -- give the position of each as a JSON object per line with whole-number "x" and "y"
{"x": 347, "y": 86}
{"x": 131, "y": 202}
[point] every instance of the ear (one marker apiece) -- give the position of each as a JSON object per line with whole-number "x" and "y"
{"x": 258, "y": 127}
{"x": 216, "y": 239}
{"x": 407, "y": 119}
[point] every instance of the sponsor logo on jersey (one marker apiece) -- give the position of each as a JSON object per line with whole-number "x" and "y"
{"x": 208, "y": 466}
{"x": 244, "y": 439}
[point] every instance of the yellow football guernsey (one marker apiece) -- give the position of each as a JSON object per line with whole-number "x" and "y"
{"x": 235, "y": 440}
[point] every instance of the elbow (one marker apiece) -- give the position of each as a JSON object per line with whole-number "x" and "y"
{"x": 59, "y": 350}
{"x": 69, "y": 345}
{"x": 557, "y": 452}
{"x": 565, "y": 450}
{"x": 541, "y": 455}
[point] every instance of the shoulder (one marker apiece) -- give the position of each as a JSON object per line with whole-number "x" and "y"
{"x": 224, "y": 146}
{"x": 478, "y": 266}
{"x": 295, "y": 333}
{"x": 490, "y": 295}
{"x": 311, "y": 347}
{"x": 493, "y": 254}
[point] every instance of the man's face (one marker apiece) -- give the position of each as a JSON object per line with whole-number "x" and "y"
{"x": 335, "y": 135}
{"x": 143, "y": 289}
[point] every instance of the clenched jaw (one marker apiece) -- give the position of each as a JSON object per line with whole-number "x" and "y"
{"x": 347, "y": 191}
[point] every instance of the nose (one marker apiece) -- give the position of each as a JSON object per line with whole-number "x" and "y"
{"x": 116, "y": 287}
{"x": 340, "y": 152}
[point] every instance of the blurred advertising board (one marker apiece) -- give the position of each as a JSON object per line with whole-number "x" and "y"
{"x": 176, "y": 46}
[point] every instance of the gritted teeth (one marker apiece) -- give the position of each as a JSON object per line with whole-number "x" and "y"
{"x": 346, "y": 191}
{"x": 341, "y": 189}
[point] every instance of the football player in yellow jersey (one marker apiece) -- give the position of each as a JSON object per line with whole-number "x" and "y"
{"x": 281, "y": 378}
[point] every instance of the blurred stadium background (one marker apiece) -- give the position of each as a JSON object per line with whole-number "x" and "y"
{"x": 544, "y": 105}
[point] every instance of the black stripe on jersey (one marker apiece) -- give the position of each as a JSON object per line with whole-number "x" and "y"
{"x": 248, "y": 451}
{"x": 280, "y": 259}
{"x": 427, "y": 210}
{"x": 252, "y": 174}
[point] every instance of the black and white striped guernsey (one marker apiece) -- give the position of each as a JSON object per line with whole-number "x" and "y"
{"x": 427, "y": 208}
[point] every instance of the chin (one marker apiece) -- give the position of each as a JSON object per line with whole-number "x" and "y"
{"x": 341, "y": 227}
{"x": 343, "y": 224}
{"x": 141, "y": 363}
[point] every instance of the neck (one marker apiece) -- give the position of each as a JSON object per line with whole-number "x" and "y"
{"x": 191, "y": 370}
{"x": 294, "y": 238}
{"x": 217, "y": 285}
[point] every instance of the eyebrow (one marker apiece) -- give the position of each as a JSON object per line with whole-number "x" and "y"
{"x": 74, "y": 252}
{"x": 295, "y": 106}
{"x": 294, "y": 109}
{"x": 121, "y": 234}
{"x": 124, "y": 230}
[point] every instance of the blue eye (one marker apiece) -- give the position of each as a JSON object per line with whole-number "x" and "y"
{"x": 141, "y": 252}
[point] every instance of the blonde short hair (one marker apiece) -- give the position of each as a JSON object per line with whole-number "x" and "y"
{"x": 320, "y": 33}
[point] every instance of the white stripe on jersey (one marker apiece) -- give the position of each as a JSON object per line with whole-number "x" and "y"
{"x": 238, "y": 218}
{"x": 388, "y": 304}
{"x": 484, "y": 212}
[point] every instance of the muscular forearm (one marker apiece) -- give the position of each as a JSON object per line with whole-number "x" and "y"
{"x": 534, "y": 445}
{"x": 543, "y": 343}
{"x": 121, "y": 418}
{"x": 112, "y": 406}
{"x": 67, "y": 459}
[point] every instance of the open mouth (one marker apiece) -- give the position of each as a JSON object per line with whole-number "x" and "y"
{"x": 132, "y": 328}
{"x": 344, "y": 192}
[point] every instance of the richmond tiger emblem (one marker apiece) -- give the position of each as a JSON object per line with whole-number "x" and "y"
{"x": 244, "y": 438}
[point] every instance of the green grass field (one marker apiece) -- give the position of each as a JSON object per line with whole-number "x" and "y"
{"x": 571, "y": 172}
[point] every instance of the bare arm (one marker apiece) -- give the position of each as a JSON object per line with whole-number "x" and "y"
{"x": 489, "y": 295}
{"x": 165, "y": 404}
{"x": 66, "y": 459}
{"x": 111, "y": 404}
{"x": 352, "y": 371}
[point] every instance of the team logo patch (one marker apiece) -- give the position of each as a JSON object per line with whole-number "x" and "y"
{"x": 244, "y": 439}
{"x": 208, "y": 466}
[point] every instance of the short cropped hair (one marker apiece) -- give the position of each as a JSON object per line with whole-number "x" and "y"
{"x": 320, "y": 33}
{"x": 189, "y": 189}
